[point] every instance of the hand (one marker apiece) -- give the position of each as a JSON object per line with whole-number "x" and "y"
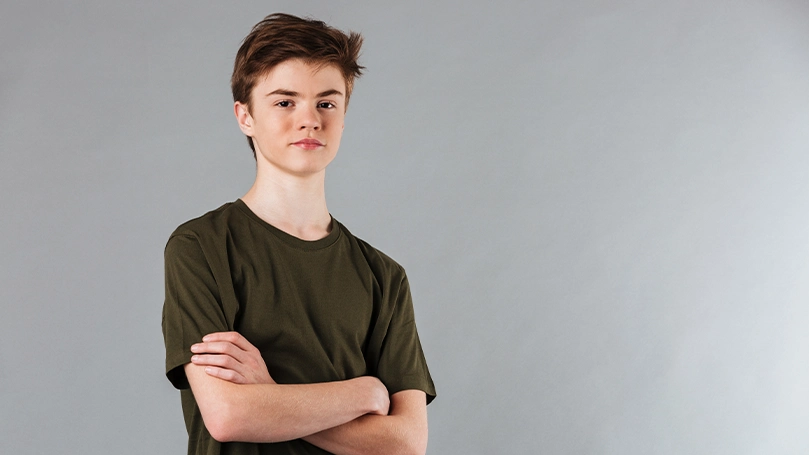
{"x": 379, "y": 395}
{"x": 229, "y": 356}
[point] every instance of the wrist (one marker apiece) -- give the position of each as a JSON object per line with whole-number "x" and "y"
{"x": 375, "y": 395}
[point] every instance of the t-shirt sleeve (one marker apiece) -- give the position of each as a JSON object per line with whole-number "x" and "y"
{"x": 402, "y": 364}
{"x": 192, "y": 306}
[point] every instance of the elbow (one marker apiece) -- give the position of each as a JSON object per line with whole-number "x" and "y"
{"x": 220, "y": 433}
{"x": 226, "y": 423}
{"x": 220, "y": 424}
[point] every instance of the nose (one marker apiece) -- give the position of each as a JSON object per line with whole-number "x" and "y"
{"x": 309, "y": 118}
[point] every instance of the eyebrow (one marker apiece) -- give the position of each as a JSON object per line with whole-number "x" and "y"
{"x": 293, "y": 94}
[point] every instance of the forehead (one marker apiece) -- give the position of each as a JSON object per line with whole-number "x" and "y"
{"x": 298, "y": 75}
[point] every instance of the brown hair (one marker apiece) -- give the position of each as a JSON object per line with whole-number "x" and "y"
{"x": 280, "y": 37}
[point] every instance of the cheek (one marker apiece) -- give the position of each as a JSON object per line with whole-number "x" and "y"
{"x": 339, "y": 125}
{"x": 272, "y": 118}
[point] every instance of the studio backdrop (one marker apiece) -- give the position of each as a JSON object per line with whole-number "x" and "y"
{"x": 602, "y": 207}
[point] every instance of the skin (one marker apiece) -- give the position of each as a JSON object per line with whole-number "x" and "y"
{"x": 237, "y": 396}
{"x": 401, "y": 430}
{"x": 287, "y": 105}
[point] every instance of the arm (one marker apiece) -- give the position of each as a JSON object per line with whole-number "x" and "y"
{"x": 260, "y": 412}
{"x": 239, "y": 401}
{"x": 277, "y": 412}
{"x": 229, "y": 357}
{"x": 403, "y": 431}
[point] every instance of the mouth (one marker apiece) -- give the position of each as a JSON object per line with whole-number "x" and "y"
{"x": 308, "y": 144}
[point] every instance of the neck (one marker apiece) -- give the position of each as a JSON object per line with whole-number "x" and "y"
{"x": 293, "y": 204}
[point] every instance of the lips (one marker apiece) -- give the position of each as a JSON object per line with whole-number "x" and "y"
{"x": 308, "y": 144}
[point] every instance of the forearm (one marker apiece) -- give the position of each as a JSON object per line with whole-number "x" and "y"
{"x": 274, "y": 412}
{"x": 404, "y": 431}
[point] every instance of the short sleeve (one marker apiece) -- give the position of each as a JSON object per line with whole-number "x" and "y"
{"x": 402, "y": 364}
{"x": 192, "y": 306}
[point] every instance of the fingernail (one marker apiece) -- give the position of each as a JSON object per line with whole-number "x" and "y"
{"x": 206, "y": 338}
{"x": 194, "y": 358}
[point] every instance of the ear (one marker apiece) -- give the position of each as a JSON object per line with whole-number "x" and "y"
{"x": 244, "y": 118}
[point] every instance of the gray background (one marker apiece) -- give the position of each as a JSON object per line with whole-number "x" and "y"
{"x": 602, "y": 207}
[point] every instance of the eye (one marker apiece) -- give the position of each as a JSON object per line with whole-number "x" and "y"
{"x": 284, "y": 103}
{"x": 326, "y": 105}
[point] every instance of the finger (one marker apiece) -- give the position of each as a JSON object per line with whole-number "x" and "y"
{"x": 233, "y": 337}
{"x": 225, "y": 374}
{"x": 220, "y": 347}
{"x": 221, "y": 361}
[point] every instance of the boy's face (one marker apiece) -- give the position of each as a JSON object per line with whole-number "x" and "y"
{"x": 296, "y": 117}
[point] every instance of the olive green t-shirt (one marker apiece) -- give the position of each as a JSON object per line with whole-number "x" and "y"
{"x": 319, "y": 311}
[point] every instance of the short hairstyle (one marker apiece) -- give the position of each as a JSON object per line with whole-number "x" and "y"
{"x": 280, "y": 37}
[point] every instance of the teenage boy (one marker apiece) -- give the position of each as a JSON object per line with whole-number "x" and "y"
{"x": 285, "y": 333}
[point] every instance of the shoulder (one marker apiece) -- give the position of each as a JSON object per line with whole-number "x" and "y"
{"x": 210, "y": 223}
{"x": 381, "y": 264}
{"x": 206, "y": 235}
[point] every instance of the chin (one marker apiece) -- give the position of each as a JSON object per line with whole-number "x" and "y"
{"x": 307, "y": 170}
{"x": 311, "y": 166}
{"x": 300, "y": 167}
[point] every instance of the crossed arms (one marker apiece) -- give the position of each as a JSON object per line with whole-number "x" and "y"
{"x": 239, "y": 401}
